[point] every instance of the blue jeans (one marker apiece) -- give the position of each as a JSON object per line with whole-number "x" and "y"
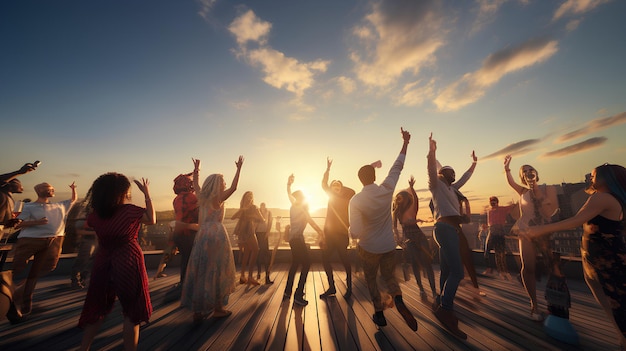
{"x": 451, "y": 265}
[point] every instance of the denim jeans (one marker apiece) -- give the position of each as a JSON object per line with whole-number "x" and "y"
{"x": 451, "y": 265}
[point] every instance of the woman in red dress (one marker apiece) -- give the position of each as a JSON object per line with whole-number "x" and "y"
{"x": 119, "y": 269}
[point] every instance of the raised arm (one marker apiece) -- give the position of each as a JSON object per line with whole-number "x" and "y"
{"x": 509, "y": 178}
{"x": 150, "y": 215}
{"x": 468, "y": 174}
{"x": 325, "y": 186}
{"x": 196, "y": 175}
{"x": 289, "y": 182}
{"x": 27, "y": 167}
{"x": 394, "y": 173}
{"x": 595, "y": 205}
{"x": 415, "y": 204}
{"x": 233, "y": 186}
{"x": 74, "y": 195}
{"x": 432, "y": 162}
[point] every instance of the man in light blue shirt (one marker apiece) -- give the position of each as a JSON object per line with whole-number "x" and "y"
{"x": 370, "y": 222}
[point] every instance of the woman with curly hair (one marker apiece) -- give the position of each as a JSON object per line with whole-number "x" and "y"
{"x": 119, "y": 269}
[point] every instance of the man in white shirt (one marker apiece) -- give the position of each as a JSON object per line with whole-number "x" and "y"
{"x": 43, "y": 229}
{"x": 370, "y": 222}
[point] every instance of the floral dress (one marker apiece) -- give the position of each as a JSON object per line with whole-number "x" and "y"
{"x": 603, "y": 251}
{"x": 211, "y": 270}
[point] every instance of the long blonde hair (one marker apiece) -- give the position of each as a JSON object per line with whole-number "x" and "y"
{"x": 210, "y": 189}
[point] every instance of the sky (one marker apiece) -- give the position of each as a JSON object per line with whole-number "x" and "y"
{"x": 142, "y": 87}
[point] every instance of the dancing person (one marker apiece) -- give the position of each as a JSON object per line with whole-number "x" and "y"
{"x": 299, "y": 217}
{"x": 168, "y": 253}
{"x": 414, "y": 242}
{"x": 42, "y": 225}
{"x": 603, "y": 246}
{"x": 448, "y": 235}
{"x": 119, "y": 269}
{"x": 9, "y": 185}
{"x": 535, "y": 208}
{"x": 87, "y": 243}
{"x": 336, "y": 231}
{"x": 370, "y": 222}
{"x": 210, "y": 277}
{"x": 248, "y": 215}
{"x": 186, "y": 215}
{"x": 496, "y": 238}
{"x": 262, "y": 232}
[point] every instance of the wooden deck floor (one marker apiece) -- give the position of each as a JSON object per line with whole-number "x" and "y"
{"x": 262, "y": 321}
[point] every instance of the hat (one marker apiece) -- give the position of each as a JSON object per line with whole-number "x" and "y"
{"x": 183, "y": 183}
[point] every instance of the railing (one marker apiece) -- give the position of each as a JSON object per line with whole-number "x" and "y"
{"x": 566, "y": 242}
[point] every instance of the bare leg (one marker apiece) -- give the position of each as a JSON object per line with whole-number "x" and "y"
{"x": 603, "y": 300}
{"x": 528, "y": 256}
{"x": 131, "y": 335}
{"x": 244, "y": 263}
{"x": 253, "y": 249}
{"x": 89, "y": 334}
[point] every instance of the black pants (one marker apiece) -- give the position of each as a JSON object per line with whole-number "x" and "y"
{"x": 299, "y": 257}
{"x": 337, "y": 243}
{"x": 184, "y": 242}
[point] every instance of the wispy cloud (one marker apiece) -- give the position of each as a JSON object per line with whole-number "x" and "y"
{"x": 472, "y": 86}
{"x": 519, "y": 148}
{"x": 576, "y": 7}
{"x": 485, "y": 13}
{"x": 279, "y": 70}
{"x": 414, "y": 94}
{"x": 588, "y": 144}
{"x": 594, "y": 126}
{"x": 397, "y": 37}
{"x": 205, "y": 7}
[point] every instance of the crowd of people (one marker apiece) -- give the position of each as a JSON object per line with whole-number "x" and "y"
{"x": 110, "y": 261}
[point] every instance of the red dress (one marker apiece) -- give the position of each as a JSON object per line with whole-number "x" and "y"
{"x": 118, "y": 269}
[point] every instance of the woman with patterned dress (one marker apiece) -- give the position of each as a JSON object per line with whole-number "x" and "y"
{"x": 603, "y": 246}
{"x": 119, "y": 269}
{"x": 211, "y": 271}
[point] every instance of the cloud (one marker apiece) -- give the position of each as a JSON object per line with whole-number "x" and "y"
{"x": 594, "y": 126}
{"x": 413, "y": 95}
{"x": 572, "y": 25}
{"x": 205, "y": 7}
{"x": 347, "y": 85}
{"x": 576, "y": 148}
{"x": 279, "y": 70}
{"x": 472, "y": 86}
{"x": 519, "y": 148}
{"x": 248, "y": 27}
{"x": 397, "y": 37}
{"x": 576, "y": 7}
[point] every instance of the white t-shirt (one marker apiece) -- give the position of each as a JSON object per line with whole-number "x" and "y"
{"x": 55, "y": 212}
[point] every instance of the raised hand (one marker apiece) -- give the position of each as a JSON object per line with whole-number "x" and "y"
{"x": 406, "y": 136}
{"x": 196, "y": 164}
{"x": 329, "y": 162}
{"x": 143, "y": 185}
{"x": 290, "y": 179}
{"x": 239, "y": 162}
{"x": 507, "y": 162}
{"x": 411, "y": 181}
{"x": 73, "y": 186}
{"x": 474, "y": 156}
{"x": 432, "y": 144}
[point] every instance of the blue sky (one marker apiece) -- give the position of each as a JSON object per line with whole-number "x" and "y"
{"x": 142, "y": 87}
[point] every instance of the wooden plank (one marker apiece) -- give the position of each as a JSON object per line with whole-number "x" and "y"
{"x": 261, "y": 321}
